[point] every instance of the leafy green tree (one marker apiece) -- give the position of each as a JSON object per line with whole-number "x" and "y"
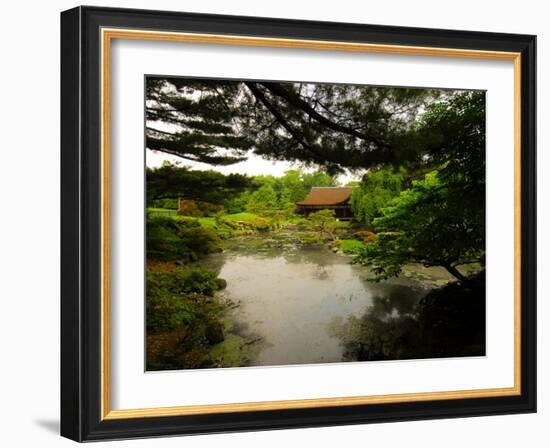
{"x": 172, "y": 182}
{"x": 237, "y": 204}
{"x": 293, "y": 189}
{"x": 262, "y": 200}
{"x": 290, "y": 188}
{"x": 424, "y": 225}
{"x": 317, "y": 179}
{"x": 325, "y": 222}
{"x": 453, "y": 133}
{"x": 376, "y": 190}
{"x": 440, "y": 220}
{"x": 353, "y": 183}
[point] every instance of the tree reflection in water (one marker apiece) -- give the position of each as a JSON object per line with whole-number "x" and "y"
{"x": 447, "y": 322}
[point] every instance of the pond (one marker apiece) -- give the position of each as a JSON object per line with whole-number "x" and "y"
{"x": 292, "y": 296}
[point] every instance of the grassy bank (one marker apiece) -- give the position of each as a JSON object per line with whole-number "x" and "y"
{"x": 190, "y": 325}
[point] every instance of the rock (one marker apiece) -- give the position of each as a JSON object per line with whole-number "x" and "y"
{"x": 221, "y": 283}
{"x": 214, "y": 333}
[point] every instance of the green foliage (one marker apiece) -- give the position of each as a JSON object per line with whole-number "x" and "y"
{"x": 245, "y": 217}
{"x": 316, "y": 179}
{"x": 452, "y": 134}
{"x": 203, "y": 115}
{"x": 333, "y": 126}
{"x": 169, "y": 238}
{"x": 376, "y": 190}
{"x": 207, "y": 193}
{"x": 291, "y": 188}
{"x": 424, "y": 224}
{"x": 172, "y": 296}
{"x": 188, "y": 207}
{"x": 161, "y": 211}
{"x": 237, "y": 204}
{"x": 165, "y": 203}
{"x": 365, "y": 235}
{"x": 208, "y": 222}
{"x": 309, "y": 237}
{"x": 260, "y": 224}
{"x": 322, "y": 217}
{"x": 440, "y": 220}
{"x": 278, "y": 195}
{"x": 245, "y": 221}
{"x": 170, "y": 182}
{"x": 351, "y": 246}
{"x": 324, "y": 221}
{"x": 262, "y": 200}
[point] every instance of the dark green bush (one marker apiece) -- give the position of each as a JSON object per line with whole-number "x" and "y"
{"x": 174, "y": 298}
{"x": 167, "y": 203}
{"x": 172, "y": 238}
{"x": 188, "y": 207}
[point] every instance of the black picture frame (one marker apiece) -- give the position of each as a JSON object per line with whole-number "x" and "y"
{"x": 81, "y": 204}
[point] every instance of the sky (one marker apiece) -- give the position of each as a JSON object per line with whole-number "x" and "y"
{"x": 253, "y": 166}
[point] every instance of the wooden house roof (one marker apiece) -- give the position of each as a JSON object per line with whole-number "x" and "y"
{"x": 327, "y": 196}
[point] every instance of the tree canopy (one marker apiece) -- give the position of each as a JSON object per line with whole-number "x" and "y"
{"x": 422, "y": 225}
{"x": 395, "y": 134}
{"x": 172, "y": 181}
{"x": 440, "y": 220}
{"x": 329, "y": 125}
{"x": 375, "y": 192}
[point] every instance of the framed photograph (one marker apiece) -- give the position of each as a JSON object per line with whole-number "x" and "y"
{"x": 276, "y": 224}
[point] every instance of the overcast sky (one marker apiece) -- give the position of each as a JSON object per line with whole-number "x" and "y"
{"x": 253, "y": 166}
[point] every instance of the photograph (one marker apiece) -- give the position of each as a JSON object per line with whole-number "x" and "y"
{"x": 299, "y": 222}
{"x": 291, "y": 220}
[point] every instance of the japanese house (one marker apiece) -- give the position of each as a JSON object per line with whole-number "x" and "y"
{"x": 327, "y": 198}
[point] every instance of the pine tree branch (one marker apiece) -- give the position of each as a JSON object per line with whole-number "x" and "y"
{"x": 282, "y": 121}
{"x": 296, "y": 101}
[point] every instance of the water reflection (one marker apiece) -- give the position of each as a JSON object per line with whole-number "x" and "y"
{"x": 293, "y": 298}
{"x": 392, "y": 300}
{"x": 448, "y": 322}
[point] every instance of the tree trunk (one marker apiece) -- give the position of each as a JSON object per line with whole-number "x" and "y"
{"x": 455, "y": 273}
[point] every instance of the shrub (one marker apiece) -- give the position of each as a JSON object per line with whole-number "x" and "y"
{"x": 188, "y": 207}
{"x": 245, "y": 221}
{"x": 167, "y": 312}
{"x": 173, "y": 297}
{"x": 260, "y": 224}
{"x": 179, "y": 239}
{"x": 309, "y": 238}
{"x": 351, "y": 246}
{"x": 300, "y": 221}
{"x": 324, "y": 221}
{"x": 166, "y": 203}
{"x": 365, "y": 235}
{"x": 376, "y": 191}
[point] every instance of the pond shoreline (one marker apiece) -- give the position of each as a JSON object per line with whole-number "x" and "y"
{"x": 245, "y": 257}
{"x": 251, "y": 321}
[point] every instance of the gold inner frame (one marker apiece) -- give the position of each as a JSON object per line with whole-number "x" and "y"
{"x": 107, "y": 35}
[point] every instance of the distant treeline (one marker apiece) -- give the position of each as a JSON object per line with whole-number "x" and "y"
{"x": 211, "y": 191}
